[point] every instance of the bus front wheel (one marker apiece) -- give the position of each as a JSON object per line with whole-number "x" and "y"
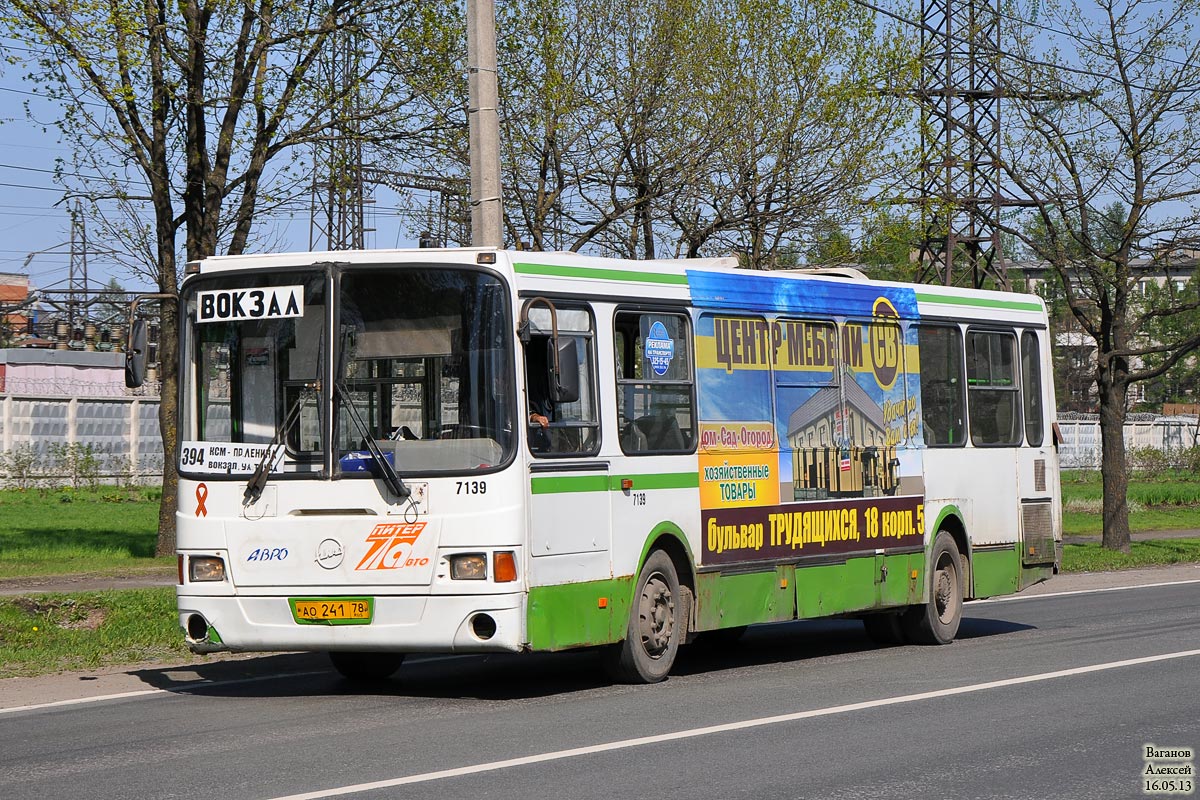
{"x": 936, "y": 622}
{"x": 365, "y": 666}
{"x": 656, "y": 625}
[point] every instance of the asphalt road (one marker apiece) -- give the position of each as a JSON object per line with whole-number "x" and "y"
{"x": 1051, "y": 696}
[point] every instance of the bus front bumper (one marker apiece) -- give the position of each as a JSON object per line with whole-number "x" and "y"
{"x": 399, "y": 623}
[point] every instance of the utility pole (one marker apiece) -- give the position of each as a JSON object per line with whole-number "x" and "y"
{"x": 341, "y": 192}
{"x": 483, "y": 123}
{"x": 77, "y": 283}
{"x": 960, "y": 93}
{"x": 340, "y": 195}
{"x": 960, "y": 132}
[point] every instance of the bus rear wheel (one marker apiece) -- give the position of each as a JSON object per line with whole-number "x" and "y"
{"x": 365, "y": 666}
{"x": 937, "y": 621}
{"x": 656, "y": 625}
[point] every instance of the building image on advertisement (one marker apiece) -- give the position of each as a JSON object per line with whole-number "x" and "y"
{"x": 822, "y": 467}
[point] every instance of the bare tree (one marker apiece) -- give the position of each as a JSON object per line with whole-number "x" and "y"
{"x": 550, "y": 111}
{"x": 596, "y": 101}
{"x": 1102, "y": 138}
{"x": 189, "y": 116}
{"x": 691, "y": 127}
{"x": 801, "y": 117}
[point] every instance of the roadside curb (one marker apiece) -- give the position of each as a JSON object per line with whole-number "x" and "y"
{"x": 1087, "y": 581}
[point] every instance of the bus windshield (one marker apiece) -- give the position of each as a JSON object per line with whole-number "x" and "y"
{"x": 424, "y": 365}
{"x": 421, "y": 361}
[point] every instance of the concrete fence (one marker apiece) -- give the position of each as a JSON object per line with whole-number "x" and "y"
{"x": 122, "y": 435}
{"x": 1081, "y": 437}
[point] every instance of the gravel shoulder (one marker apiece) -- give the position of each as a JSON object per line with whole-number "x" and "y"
{"x": 60, "y": 584}
{"x": 139, "y": 679}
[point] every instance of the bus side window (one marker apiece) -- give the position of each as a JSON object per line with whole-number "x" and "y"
{"x": 561, "y": 428}
{"x": 655, "y": 405}
{"x": 993, "y": 395}
{"x": 1031, "y": 387}
{"x": 942, "y": 403}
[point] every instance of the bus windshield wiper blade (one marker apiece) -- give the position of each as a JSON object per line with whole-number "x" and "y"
{"x": 389, "y": 475}
{"x": 258, "y": 480}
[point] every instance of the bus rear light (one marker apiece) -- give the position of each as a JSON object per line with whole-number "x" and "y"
{"x": 504, "y": 566}
{"x": 203, "y": 569}
{"x": 468, "y": 567}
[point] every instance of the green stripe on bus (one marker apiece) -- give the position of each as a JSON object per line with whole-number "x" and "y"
{"x": 570, "y": 484}
{"x": 981, "y": 302}
{"x": 597, "y": 273}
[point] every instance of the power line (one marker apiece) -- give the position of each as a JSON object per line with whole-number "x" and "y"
{"x": 1013, "y": 56}
{"x": 19, "y": 91}
{"x": 27, "y": 186}
{"x": 79, "y": 175}
{"x": 1079, "y": 38}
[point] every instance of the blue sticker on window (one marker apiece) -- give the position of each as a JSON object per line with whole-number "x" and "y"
{"x": 660, "y": 349}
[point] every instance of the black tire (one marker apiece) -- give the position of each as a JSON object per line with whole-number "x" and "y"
{"x": 885, "y": 628}
{"x": 937, "y": 621}
{"x": 366, "y": 667}
{"x": 656, "y": 625}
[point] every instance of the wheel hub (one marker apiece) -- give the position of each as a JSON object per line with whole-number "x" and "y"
{"x": 944, "y": 589}
{"x": 657, "y": 614}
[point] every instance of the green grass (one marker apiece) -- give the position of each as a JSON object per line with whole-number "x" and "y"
{"x": 1170, "y": 490}
{"x": 1094, "y": 558}
{"x": 1078, "y": 523}
{"x": 1170, "y": 502}
{"x": 65, "y": 531}
{"x": 49, "y": 633}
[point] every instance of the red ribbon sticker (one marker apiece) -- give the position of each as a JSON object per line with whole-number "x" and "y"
{"x": 201, "y": 496}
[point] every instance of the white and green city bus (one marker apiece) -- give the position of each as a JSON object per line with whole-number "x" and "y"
{"x": 474, "y": 450}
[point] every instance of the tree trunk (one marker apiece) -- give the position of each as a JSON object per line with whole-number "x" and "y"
{"x": 1113, "y": 469}
{"x": 168, "y": 418}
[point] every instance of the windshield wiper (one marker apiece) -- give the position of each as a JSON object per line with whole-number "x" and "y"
{"x": 258, "y": 480}
{"x": 388, "y": 473}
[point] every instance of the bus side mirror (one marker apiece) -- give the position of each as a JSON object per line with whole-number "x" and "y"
{"x": 564, "y": 387}
{"x": 135, "y": 355}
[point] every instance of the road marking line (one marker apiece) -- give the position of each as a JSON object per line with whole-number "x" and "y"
{"x": 557, "y": 755}
{"x": 79, "y": 700}
{"x": 1012, "y": 597}
{"x": 201, "y": 684}
{"x": 186, "y": 687}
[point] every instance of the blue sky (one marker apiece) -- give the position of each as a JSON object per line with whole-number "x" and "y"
{"x": 35, "y": 227}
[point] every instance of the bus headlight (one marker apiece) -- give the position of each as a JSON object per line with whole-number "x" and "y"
{"x": 206, "y": 568}
{"x": 468, "y": 567}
